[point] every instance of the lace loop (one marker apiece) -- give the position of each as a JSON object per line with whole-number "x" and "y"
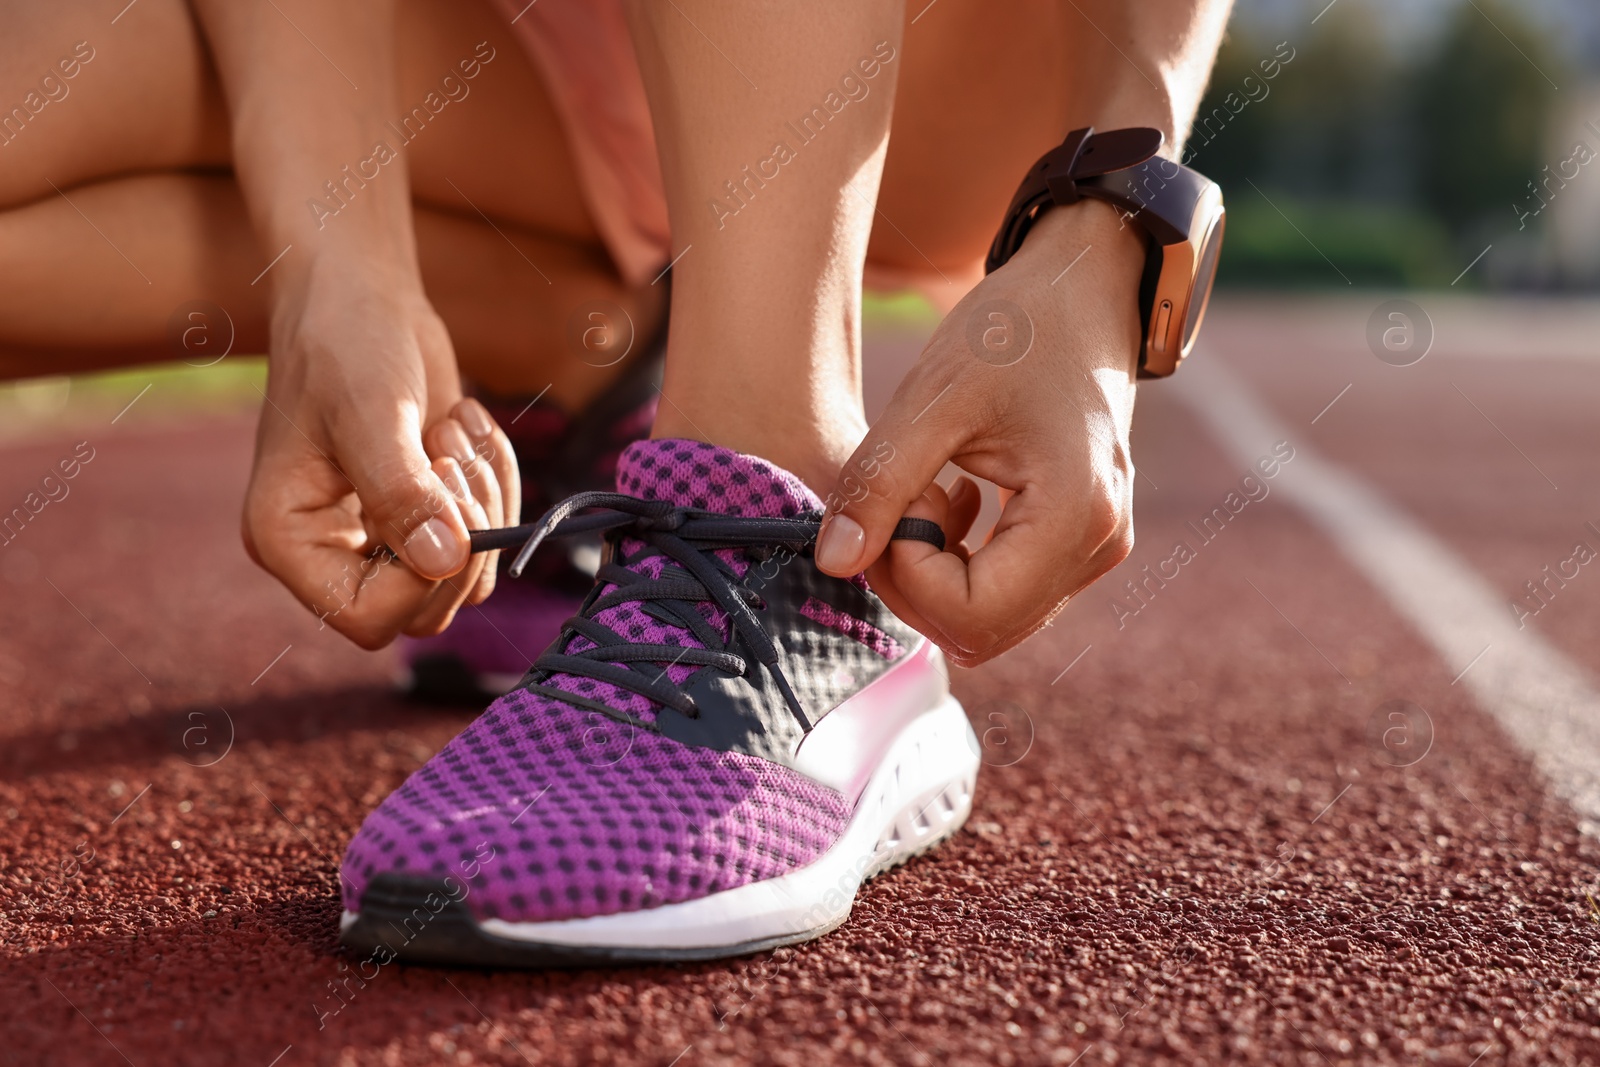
{"x": 689, "y": 538}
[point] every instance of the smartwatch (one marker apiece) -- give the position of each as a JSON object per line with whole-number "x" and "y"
{"x": 1178, "y": 209}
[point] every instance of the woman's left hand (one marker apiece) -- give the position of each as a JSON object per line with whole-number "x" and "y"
{"x": 1028, "y": 383}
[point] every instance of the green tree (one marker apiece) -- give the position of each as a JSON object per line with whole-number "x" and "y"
{"x": 1313, "y": 131}
{"x": 1335, "y": 103}
{"x": 1482, "y": 110}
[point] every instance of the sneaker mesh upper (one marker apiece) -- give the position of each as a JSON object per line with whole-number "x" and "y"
{"x": 690, "y": 474}
{"x": 547, "y": 811}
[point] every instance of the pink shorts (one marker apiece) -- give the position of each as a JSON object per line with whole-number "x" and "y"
{"x": 584, "y": 53}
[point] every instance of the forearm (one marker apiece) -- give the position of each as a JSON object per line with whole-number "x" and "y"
{"x": 1144, "y": 64}
{"x": 310, "y": 88}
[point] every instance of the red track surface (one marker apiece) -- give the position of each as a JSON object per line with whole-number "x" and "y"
{"x": 1185, "y": 849}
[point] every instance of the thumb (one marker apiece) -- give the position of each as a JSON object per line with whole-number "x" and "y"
{"x": 410, "y": 509}
{"x": 891, "y": 468}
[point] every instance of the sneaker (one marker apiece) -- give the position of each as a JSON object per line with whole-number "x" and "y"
{"x": 722, "y": 745}
{"x": 490, "y": 646}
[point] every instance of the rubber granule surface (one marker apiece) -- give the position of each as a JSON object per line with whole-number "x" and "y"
{"x": 1189, "y": 846}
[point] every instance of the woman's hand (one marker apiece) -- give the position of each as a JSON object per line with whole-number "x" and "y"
{"x": 370, "y": 468}
{"x": 1029, "y": 383}
{"x": 366, "y": 452}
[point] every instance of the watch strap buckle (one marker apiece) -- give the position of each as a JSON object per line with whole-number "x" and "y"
{"x": 1061, "y": 166}
{"x": 1085, "y": 154}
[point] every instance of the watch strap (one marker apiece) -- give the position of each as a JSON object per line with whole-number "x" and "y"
{"x": 1097, "y": 165}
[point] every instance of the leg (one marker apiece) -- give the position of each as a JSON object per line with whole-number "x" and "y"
{"x": 1055, "y": 433}
{"x": 145, "y": 100}
{"x": 140, "y": 146}
{"x": 94, "y": 290}
{"x": 770, "y": 194}
{"x": 966, "y": 128}
{"x": 185, "y": 236}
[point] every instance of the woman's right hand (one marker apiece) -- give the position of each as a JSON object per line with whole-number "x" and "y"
{"x": 370, "y": 468}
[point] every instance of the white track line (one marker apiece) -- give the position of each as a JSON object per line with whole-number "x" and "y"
{"x": 1546, "y": 703}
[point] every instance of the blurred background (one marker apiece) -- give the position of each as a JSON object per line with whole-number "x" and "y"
{"x": 1402, "y": 139}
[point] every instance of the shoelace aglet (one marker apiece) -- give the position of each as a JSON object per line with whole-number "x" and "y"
{"x": 531, "y": 545}
{"x": 525, "y": 553}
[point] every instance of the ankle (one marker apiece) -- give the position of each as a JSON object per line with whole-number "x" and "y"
{"x": 812, "y": 451}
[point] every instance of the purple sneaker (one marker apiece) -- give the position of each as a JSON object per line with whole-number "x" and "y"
{"x": 722, "y": 745}
{"x": 489, "y": 647}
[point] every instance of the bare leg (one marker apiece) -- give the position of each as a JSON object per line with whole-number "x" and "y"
{"x": 77, "y": 296}
{"x": 966, "y": 128}
{"x": 764, "y": 354}
{"x": 94, "y": 290}
{"x": 121, "y": 206}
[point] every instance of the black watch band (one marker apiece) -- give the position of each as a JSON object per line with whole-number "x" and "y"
{"x": 1067, "y": 173}
{"x": 1164, "y": 199}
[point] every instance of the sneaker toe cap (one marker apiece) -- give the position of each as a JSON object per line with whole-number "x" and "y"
{"x": 535, "y": 823}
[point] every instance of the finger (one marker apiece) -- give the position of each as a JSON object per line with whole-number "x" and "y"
{"x": 304, "y": 525}
{"x": 448, "y": 438}
{"x": 492, "y": 446}
{"x": 894, "y": 465}
{"x": 933, "y": 506}
{"x": 482, "y": 481}
{"x": 476, "y": 517}
{"x": 449, "y": 594}
{"x": 970, "y": 608}
{"x": 411, "y": 510}
{"x": 485, "y": 489}
{"x": 966, "y": 501}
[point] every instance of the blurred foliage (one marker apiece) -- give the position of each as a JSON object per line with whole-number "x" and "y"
{"x": 1480, "y": 108}
{"x": 1393, "y": 161}
{"x": 131, "y": 395}
{"x": 903, "y": 312}
{"x": 1367, "y": 244}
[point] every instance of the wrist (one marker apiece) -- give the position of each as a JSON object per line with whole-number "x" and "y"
{"x": 354, "y": 273}
{"x": 336, "y": 305}
{"x": 1118, "y": 247}
{"x": 1081, "y": 266}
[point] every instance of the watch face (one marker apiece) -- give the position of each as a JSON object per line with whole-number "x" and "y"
{"x": 1205, "y": 275}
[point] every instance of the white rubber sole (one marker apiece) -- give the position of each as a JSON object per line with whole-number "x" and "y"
{"x": 919, "y": 795}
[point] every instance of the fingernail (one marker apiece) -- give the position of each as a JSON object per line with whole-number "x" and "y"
{"x": 457, "y": 445}
{"x": 475, "y": 418}
{"x": 433, "y": 548}
{"x": 839, "y": 545}
{"x": 454, "y": 479}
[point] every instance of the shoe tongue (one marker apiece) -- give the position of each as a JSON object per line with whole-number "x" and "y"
{"x": 693, "y": 474}
{"x": 689, "y": 474}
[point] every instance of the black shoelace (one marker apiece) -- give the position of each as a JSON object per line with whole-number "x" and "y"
{"x": 689, "y": 538}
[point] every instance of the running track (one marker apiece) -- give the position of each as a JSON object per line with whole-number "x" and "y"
{"x": 1201, "y": 837}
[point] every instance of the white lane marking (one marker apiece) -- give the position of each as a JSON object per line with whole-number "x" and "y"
{"x": 1548, "y": 704}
